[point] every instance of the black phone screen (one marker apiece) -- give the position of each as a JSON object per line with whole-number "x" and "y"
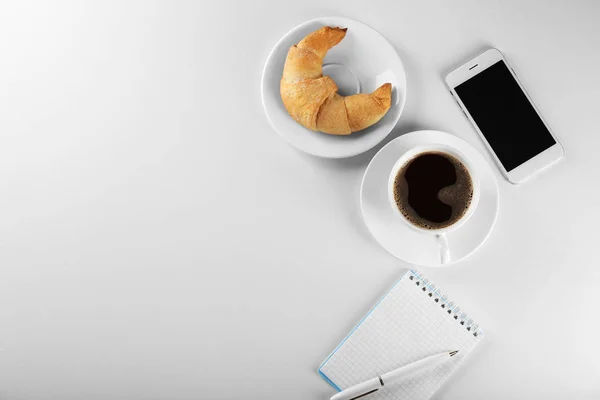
{"x": 505, "y": 116}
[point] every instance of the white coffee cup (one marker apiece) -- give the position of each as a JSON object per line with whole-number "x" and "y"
{"x": 439, "y": 234}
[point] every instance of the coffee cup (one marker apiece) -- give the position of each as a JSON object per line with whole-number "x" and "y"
{"x": 438, "y": 231}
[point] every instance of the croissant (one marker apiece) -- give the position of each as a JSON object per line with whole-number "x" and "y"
{"x": 312, "y": 99}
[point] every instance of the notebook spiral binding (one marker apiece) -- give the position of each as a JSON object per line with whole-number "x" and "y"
{"x": 439, "y": 297}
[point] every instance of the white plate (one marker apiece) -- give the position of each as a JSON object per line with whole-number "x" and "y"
{"x": 408, "y": 244}
{"x": 363, "y": 61}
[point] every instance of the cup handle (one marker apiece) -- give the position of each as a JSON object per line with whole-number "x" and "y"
{"x": 444, "y": 249}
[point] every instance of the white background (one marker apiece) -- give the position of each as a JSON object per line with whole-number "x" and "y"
{"x": 158, "y": 240}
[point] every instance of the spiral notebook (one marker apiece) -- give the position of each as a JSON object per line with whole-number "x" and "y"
{"x": 414, "y": 320}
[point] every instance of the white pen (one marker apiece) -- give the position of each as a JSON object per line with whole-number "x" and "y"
{"x": 375, "y": 384}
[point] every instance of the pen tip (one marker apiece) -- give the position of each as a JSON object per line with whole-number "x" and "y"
{"x": 453, "y": 353}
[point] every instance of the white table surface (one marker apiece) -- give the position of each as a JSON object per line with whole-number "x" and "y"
{"x": 158, "y": 240}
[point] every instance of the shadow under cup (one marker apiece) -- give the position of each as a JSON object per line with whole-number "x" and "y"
{"x": 439, "y": 233}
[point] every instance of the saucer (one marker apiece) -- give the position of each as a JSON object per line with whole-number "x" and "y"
{"x": 395, "y": 235}
{"x": 360, "y": 63}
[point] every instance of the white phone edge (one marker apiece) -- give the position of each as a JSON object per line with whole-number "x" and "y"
{"x": 534, "y": 165}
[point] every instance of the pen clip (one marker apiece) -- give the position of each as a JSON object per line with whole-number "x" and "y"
{"x": 364, "y": 394}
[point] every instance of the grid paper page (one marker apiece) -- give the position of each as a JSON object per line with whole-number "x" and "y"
{"x": 406, "y": 326}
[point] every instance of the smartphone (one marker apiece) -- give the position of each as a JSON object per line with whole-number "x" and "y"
{"x": 493, "y": 99}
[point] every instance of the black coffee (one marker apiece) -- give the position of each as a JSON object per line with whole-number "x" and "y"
{"x": 433, "y": 190}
